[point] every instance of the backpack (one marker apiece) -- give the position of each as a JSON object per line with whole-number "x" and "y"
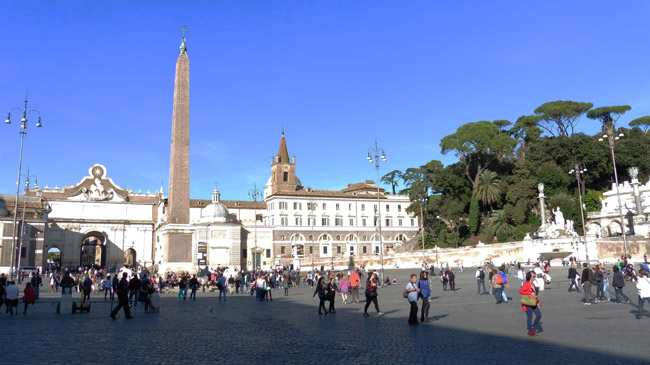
{"x": 499, "y": 279}
{"x": 504, "y": 278}
{"x": 481, "y": 275}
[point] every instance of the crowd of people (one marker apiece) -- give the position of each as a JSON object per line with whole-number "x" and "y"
{"x": 132, "y": 286}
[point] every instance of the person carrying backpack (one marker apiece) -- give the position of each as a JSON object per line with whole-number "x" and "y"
{"x": 497, "y": 283}
{"x": 480, "y": 281}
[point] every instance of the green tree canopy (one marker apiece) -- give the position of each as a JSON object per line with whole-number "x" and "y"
{"x": 477, "y": 145}
{"x": 559, "y": 118}
{"x": 643, "y": 123}
{"x": 392, "y": 178}
{"x": 608, "y": 115}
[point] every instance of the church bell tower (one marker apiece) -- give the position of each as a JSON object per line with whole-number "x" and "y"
{"x": 283, "y": 171}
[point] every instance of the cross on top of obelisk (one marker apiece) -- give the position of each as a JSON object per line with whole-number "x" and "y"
{"x": 183, "y": 48}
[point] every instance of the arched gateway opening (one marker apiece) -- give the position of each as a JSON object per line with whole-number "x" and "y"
{"x": 93, "y": 250}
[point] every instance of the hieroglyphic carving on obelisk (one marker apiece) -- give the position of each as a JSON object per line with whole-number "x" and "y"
{"x": 179, "y": 165}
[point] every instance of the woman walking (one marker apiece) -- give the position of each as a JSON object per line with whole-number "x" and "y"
{"x": 618, "y": 283}
{"x": 321, "y": 290}
{"x": 412, "y": 292}
{"x": 425, "y": 293}
{"x": 345, "y": 288}
{"x": 371, "y": 294}
{"x": 29, "y": 296}
{"x": 108, "y": 287}
{"x": 530, "y": 304}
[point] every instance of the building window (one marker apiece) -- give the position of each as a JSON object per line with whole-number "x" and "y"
{"x": 399, "y": 208}
{"x": 309, "y": 206}
{"x": 365, "y": 249}
{"x": 297, "y": 205}
{"x": 258, "y": 217}
{"x": 282, "y": 250}
{"x": 338, "y": 249}
{"x": 412, "y": 222}
{"x": 387, "y": 222}
{"x": 268, "y": 253}
{"x": 375, "y": 207}
{"x": 285, "y": 176}
{"x": 283, "y": 205}
{"x": 363, "y": 222}
{"x": 374, "y": 222}
{"x": 338, "y": 238}
{"x": 311, "y": 221}
{"x": 325, "y": 221}
{"x": 283, "y": 238}
{"x": 244, "y": 253}
{"x": 324, "y": 206}
{"x": 284, "y": 221}
{"x": 338, "y": 221}
{"x": 350, "y": 206}
{"x": 363, "y": 207}
{"x": 311, "y": 250}
{"x": 338, "y": 206}
{"x": 387, "y": 208}
{"x": 324, "y": 250}
{"x": 400, "y": 222}
{"x": 311, "y": 237}
{"x": 365, "y": 238}
{"x": 299, "y": 221}
{"x": 351, "y": 222}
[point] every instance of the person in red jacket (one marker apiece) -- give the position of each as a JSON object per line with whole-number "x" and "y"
{"x": 30, "y": 296}
{"x": 529, "y": 290}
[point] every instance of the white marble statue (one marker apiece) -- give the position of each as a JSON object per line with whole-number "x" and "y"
{"x": 559, "y": 218}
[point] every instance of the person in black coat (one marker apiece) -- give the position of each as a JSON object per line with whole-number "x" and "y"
{"x": 331, "y": 294}
{"x": 321, "y": 290}
{"x": 618, "y": 283}
{"x": 123, "y": 298}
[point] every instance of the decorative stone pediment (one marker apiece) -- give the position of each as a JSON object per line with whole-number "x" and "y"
{"x": 96, "y": 187}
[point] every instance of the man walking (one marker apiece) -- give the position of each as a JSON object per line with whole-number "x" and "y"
{"x": 573, "y": 273}
{"x": 587, "y": 281}
{"x": 222, "y": 286}
{"x": 134, "y": 290}
{"x": 122, "y": 298}
{"x": 480, "y": 281}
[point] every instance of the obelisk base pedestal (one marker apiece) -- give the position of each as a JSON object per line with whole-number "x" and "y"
{"x": 177, "y": 248}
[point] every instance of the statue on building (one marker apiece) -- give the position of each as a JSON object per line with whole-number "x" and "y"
{"x": 558, "y": 218}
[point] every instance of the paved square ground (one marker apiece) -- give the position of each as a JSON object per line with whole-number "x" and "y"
{"x": 466, "y": 328}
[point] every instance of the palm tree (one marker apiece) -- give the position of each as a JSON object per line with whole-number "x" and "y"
{"x": 500, "y": 223}
{"x": 488, "y": 190}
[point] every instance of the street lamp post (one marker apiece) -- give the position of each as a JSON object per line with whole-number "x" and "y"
{"x": 312, "y": 208}
{"x": 254, "y": 194}
{"x": 23, "y": 133}
{"x": 376, "y": 151}
{"x": 611, "y": 137}
{"x": 423, "y": 200}
{"x": 577, "y": 169}
{"x": 22, "y": 233}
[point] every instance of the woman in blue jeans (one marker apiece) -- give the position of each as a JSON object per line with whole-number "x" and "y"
{"x": 529, "y": 290}
{"x": 425, "y": 293}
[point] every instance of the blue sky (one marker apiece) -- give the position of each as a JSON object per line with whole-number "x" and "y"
{"x": 334, "y": 74}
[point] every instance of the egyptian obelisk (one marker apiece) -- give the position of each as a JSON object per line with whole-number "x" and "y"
{"x": 178, "y": 245}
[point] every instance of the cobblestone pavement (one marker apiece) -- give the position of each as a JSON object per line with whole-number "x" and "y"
{"x": 466, "y": 328}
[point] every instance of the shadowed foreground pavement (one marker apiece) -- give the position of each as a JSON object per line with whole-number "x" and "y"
{"x": 465, "y": 328}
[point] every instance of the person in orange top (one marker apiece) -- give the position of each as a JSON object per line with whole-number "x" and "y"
{"x": 529, "y": 290}
{"x": 354, "y": 286}
{"x": 30, "y": 296}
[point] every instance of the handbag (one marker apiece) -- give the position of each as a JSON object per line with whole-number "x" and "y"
{"x": 529, "y": 300}
{"x": 405, "y": 294}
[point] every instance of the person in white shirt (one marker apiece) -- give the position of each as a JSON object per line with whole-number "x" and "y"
{"x": 480, "y": 281}
{"x": 521, "y": 275}
{"x": 643, "y": 285}
{"x": 11, "y": 297}
{"x": 539, "y": 281}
